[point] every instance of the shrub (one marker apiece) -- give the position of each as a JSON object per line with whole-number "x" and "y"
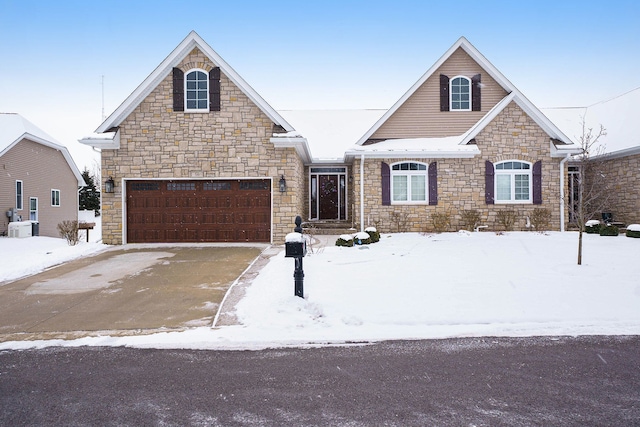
{"x": 69, "y": 230}
{"x": 540, "y": 219}
{"x": 400, "y": 219}
{"x": 506, "y": 218}
{"x": 440, "y": 220}
{"x": 345, "y": 240}
{"x": 609, "y": 230}
{"x": 592, "y": 227}
{"x": 361, "y": 238}
{"x": 373, "y": 234}
{"x": 633, "y": 230}
{"x": 470, "y": 219}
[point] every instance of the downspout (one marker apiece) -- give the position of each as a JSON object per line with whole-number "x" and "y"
{"x": 562, "y": 162}
{"x": 362, "y": 192}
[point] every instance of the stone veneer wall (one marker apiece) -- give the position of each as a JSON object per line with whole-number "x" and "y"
{"x": 512, "y": 135}
{"x": 157, "y": 142}
{"x": 624, "y": 198}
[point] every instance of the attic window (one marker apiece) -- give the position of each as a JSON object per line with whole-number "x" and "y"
{"x": 197, "y": 91}
{"x": 460, "y": 94}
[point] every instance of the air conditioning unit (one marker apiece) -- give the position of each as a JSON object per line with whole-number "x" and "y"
{"x": 20, "y": 229}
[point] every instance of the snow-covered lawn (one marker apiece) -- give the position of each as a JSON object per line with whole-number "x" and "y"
{"x": 413, "y": 286}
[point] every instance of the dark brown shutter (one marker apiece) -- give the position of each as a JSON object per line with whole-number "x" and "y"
{"x": 537, "y": 183}
{"x": 444, "y": 93}
{"x": 476, "y": 104}
{"x": 214, "y": 89}
{"x": 488, "y": 183}
{"x": 178, "y": 89}
{"x": 386, "y": 184}
{"x": 433, "y": 183}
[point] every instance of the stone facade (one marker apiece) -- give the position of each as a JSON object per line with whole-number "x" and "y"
{"x": 156, "y": 142}
{"x": 624, "y": 199}
{"x": 512, "y": 135}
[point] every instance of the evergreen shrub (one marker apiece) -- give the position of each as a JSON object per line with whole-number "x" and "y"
{"x": 345, "y": 240}
{"x": 592, "y": 227}
{"x": 633, "y": 230}
{"x": 609, "y": 230}
{"x": 373, "y": 234}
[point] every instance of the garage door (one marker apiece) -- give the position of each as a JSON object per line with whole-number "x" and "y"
{"x": 199, "y": 211}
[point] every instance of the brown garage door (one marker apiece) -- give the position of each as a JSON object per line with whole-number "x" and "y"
{"x": 199, "y": 211}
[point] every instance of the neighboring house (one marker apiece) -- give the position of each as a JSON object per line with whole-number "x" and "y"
{"x": 617, "y": 152}
{"x": 197, "y": 155}
{"x": 38, "y": 178}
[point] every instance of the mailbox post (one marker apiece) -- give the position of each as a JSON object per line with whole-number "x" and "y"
{"x": 296, "y": 247}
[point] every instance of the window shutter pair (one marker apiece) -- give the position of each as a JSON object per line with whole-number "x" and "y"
{"x": 476, "y": 99}
{"x": 489, "y": 186}
{"x": 432, "y": 172}
{"x": 214, "y": 89}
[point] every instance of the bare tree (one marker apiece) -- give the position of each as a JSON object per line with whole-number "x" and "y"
{"x": 592, "y": 183}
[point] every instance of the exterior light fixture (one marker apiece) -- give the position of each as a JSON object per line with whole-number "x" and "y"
{"x": 283, "y": 184}
{"x": 109, "y": 185}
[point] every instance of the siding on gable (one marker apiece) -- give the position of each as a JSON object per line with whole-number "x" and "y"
{"x": 420, "y": 115}
{"x": 157, "y": 142}
{"x": 41, "y": 169}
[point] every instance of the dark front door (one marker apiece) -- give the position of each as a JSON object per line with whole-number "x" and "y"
{"x": 328, "y": 190}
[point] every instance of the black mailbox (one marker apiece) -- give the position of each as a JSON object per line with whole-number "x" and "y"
{"x": 295, "y": 249}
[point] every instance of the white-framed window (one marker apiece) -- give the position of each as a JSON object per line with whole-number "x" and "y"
{"x": 196, "y": 90}
{"x": 19, "y": 195}
{"x": 460, "y": 94}
{"x": 409, "y": 183}
{"x": 55, "y": 197}
{"x": 513, "y": 182}
{"x": 33, "y": 208}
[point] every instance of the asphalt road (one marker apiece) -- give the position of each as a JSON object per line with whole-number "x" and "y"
{"x": 587, "y": 381}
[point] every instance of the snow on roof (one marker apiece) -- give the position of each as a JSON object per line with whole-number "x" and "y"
{"x": 441, "y": 147}
{"x": 14, "y": 128}
{"x": 331, "y": 132}
{"x": 618, "y": 115}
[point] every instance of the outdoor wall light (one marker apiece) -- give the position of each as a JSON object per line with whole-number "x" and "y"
{"x": 109, "y": 185}
{"x": 283, "y": 184}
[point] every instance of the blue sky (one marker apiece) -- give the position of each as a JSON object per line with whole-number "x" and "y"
{"x": 306, "y": 54}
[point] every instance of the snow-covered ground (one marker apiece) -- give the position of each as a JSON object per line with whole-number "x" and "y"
{"x": 407, "y": 286}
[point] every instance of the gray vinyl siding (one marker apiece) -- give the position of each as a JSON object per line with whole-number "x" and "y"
{"x": 41, "y": 169}
{"x": 420, "y": 115}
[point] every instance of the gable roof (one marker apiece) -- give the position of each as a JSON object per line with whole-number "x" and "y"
{"x": 14, "y": 128}
{"x": 465, "y": 45}
{"x": 175, "y": 57}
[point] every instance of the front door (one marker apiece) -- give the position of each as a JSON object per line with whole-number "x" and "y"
{"x": 328, "y": 186}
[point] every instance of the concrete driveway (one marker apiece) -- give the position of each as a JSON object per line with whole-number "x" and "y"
{"x": 134, "y": 289}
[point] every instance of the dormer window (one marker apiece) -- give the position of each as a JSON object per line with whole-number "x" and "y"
{"x": 196, "y": 91}
{"x": 460, "y": 94}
